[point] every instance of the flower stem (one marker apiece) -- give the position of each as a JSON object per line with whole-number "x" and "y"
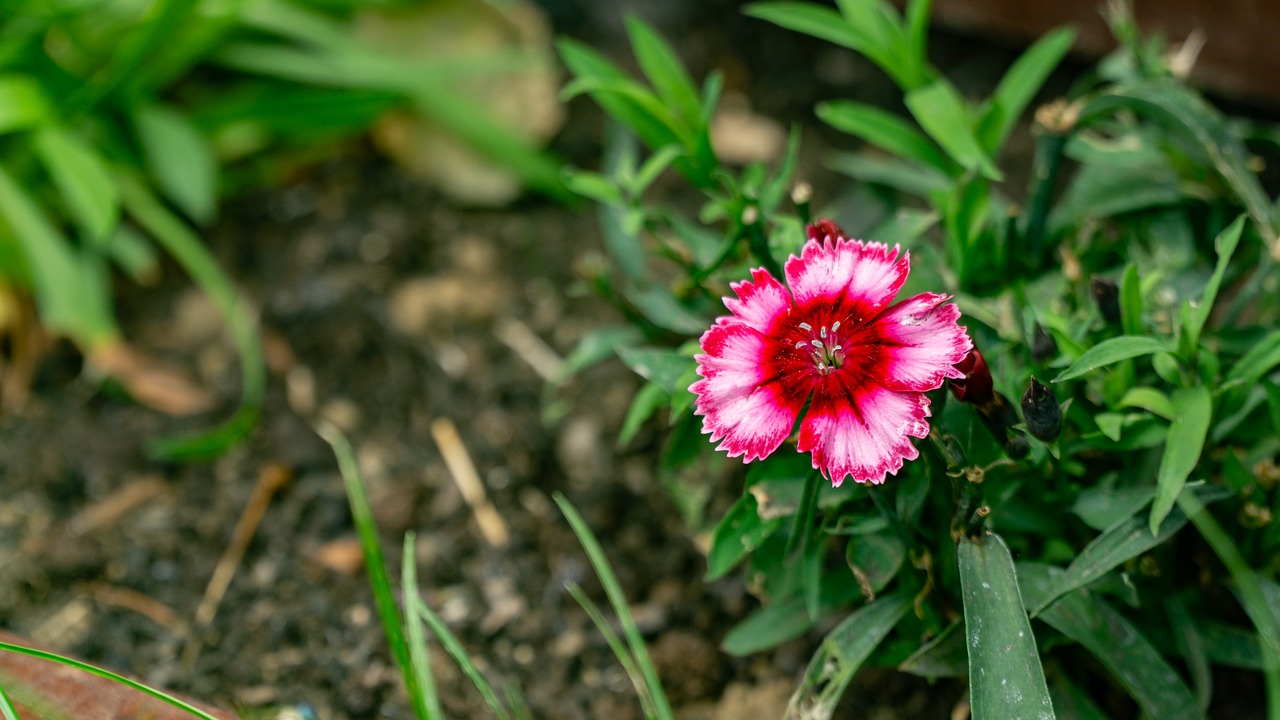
{"x": 804, "y": 514}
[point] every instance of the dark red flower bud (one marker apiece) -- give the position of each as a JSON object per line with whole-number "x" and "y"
{"x": 1107, "y": 295}
{"x": 975, "y": 387}
{"x": 1041, "y": 411}
{"x": 823, "y": 228}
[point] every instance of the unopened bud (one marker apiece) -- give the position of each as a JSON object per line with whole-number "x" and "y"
{"x": 1041, "y": 411}
{"x": 824, "y": 228}
{"x": 975, "y": 387}
{"x": 1043, "y": 347}
{"x": 1107, "y": 295}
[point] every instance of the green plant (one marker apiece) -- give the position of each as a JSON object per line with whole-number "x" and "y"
{"x": 121, "y": 123}
{"x": 1163, "y": 413}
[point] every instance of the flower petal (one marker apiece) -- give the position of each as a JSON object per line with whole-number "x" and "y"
{"x": 761, "y": 302}
{"x": 740, "y": 403}
{"x": 917, "y": 343}
{"x": 863, "y": 431}
{"x": 857, "y": 280}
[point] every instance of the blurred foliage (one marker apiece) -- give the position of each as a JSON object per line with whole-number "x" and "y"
{"x": 124, "y": 122}
{"x": 1135, "y": 270}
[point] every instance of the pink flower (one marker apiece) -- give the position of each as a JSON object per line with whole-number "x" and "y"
{"x": 834, "y": 341}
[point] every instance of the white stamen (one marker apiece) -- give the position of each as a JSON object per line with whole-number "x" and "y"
{"x": 806, "y": 327}
{"x": 816, "y": 343}
{"x": 835, "y": 326}
{"x": 800, "y": 345}
{"x": 823, "y": 332}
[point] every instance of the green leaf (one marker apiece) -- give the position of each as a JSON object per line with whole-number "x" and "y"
{"x": 663, "y": 309}
{"x": 943, "y": 114}
{"x": 426, "y": 702}
{"x": 181, "y": 161}
{"x": 664, "y": 70}
{"x": 81, "y": 175}
{"x": 672, "y": 371}
{"x": 194, "y": 258}
{"x": 916, "y": 26}
{"x": 738, "y": 533}
{"x": 592, "y": 185}
{"x": 1176, "y": 105}
{"x": 22, "y": 103}
{"x": 1149, "y": 399}
{"x": 1113, "y": 640}
{"x": 1112, "y": 350}
{"x": 945, "y": 655}
{"x": 1194, "y": 408}
{"x": 1259, "y": 360}
{"x": 595, "y": 347}
{"x": 883, "y": 130}
{"x": 70, "y": 286}
{"x": 1100, "y": 508}
{"x": 1023, "y": 80}
{"x": 771, "y": 625}
{"x": 842, "y": 653}
{"x": 875, "y": 558}
{"x": 1005, "y": 677}
{"x": 1191, "y": 647}
{"x": 1119, "y": 544}
{"x": 1131, "y": 301}
{"x": 827, "y": 24}
{"x": 1225, "y": 243}
{"x": 643, "y": 406}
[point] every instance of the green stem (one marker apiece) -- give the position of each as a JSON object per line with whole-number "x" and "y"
{"x": 1048, "y": 159}
{"x": 804, "y": 514}
{"x": 1251, "y": 595}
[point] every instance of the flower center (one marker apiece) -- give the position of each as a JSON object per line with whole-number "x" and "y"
{"x": 823, "y": 347}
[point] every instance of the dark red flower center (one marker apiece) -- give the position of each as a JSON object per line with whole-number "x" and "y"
{"x": 823, "y": 345}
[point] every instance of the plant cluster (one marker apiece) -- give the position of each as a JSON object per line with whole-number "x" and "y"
{"x": 1126, "y": 296}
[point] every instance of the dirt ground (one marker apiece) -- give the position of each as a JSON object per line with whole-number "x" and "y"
{"x": 386, "y": 311}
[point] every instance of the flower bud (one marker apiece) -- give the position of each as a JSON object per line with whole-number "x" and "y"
{"x": 824, "y": 228}
{"x": 1107, "y": 295}
{"x": 1043, "y": 347}
{"x": 1041, "y": 411}
{"x": 975, "y": 387}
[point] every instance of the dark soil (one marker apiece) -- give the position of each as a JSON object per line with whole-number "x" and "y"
{"x": 385, "y": 309}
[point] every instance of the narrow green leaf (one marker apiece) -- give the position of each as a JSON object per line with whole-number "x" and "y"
{"x": 1100, "y": 508}
{"x": 426, "y": 702}
{"x": 1259, "y": 595}
{"x": 767, "y": 627}
{"x": 6, "y": 707}
{"x": 70, "y": 286}
{"x": 826, "y": 24}
{"x": 1175, "y": 104}
{"x": 916, "y": 25}
{"x": 1131, "y": 302}
{"x": 1005, "y": 677}
{"x": 1113, "y": 640}
{"x": 1191, "y": 647}
{"x": 671, "y": 370}
{"x": 943, "y": 114}
{"x": 643, "y": 406}
{"x": 1193, "y": 408}
{"x": 595, "y": 347}
{"x": 898, "y": 174}
{"x": 181, "y": 161}
{"x": 1112, "y": 350}
{"x": 1071, "y": 702}
{"x": 842, "y": 653}
{"x": 180, "y": 242}
{"x": 615, "y": 644}
{"x": 22, "y": 103}
{"x": 1023, "y": 80}
{"x": 618, "y": 601}
{"x": 81, "y": 175}
{"x": 1261, "y": 358}
{"x": 384, "y": 596}
{"x": 1225, "y": 243}
{"x": 664, "y": 70}
{"x": 945, "y": 655}
{"x": 1149, "y": 399}
{"x": 453, "y": 646}
{"x": 1119, "y": 544}
{"x": 883, "y": 130}
{"x": 592, "y": 185}
{"x": 739, "y": 532}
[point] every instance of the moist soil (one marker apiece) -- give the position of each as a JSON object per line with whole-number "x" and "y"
{"x": 389, "y": 312}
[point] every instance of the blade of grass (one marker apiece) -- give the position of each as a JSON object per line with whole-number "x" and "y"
{"x": 418, "y": 654}
{"x": 1251, "y": 595}
{"x": 453, "y": 646}
{"x": 383, "y": 595}
{"x": 94, "y": 670}
{"x": 618, "y": 647}
{"x": 174, "y": 235}
{"x": 662, "y": 710}
{"x": 6, "y": 707}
